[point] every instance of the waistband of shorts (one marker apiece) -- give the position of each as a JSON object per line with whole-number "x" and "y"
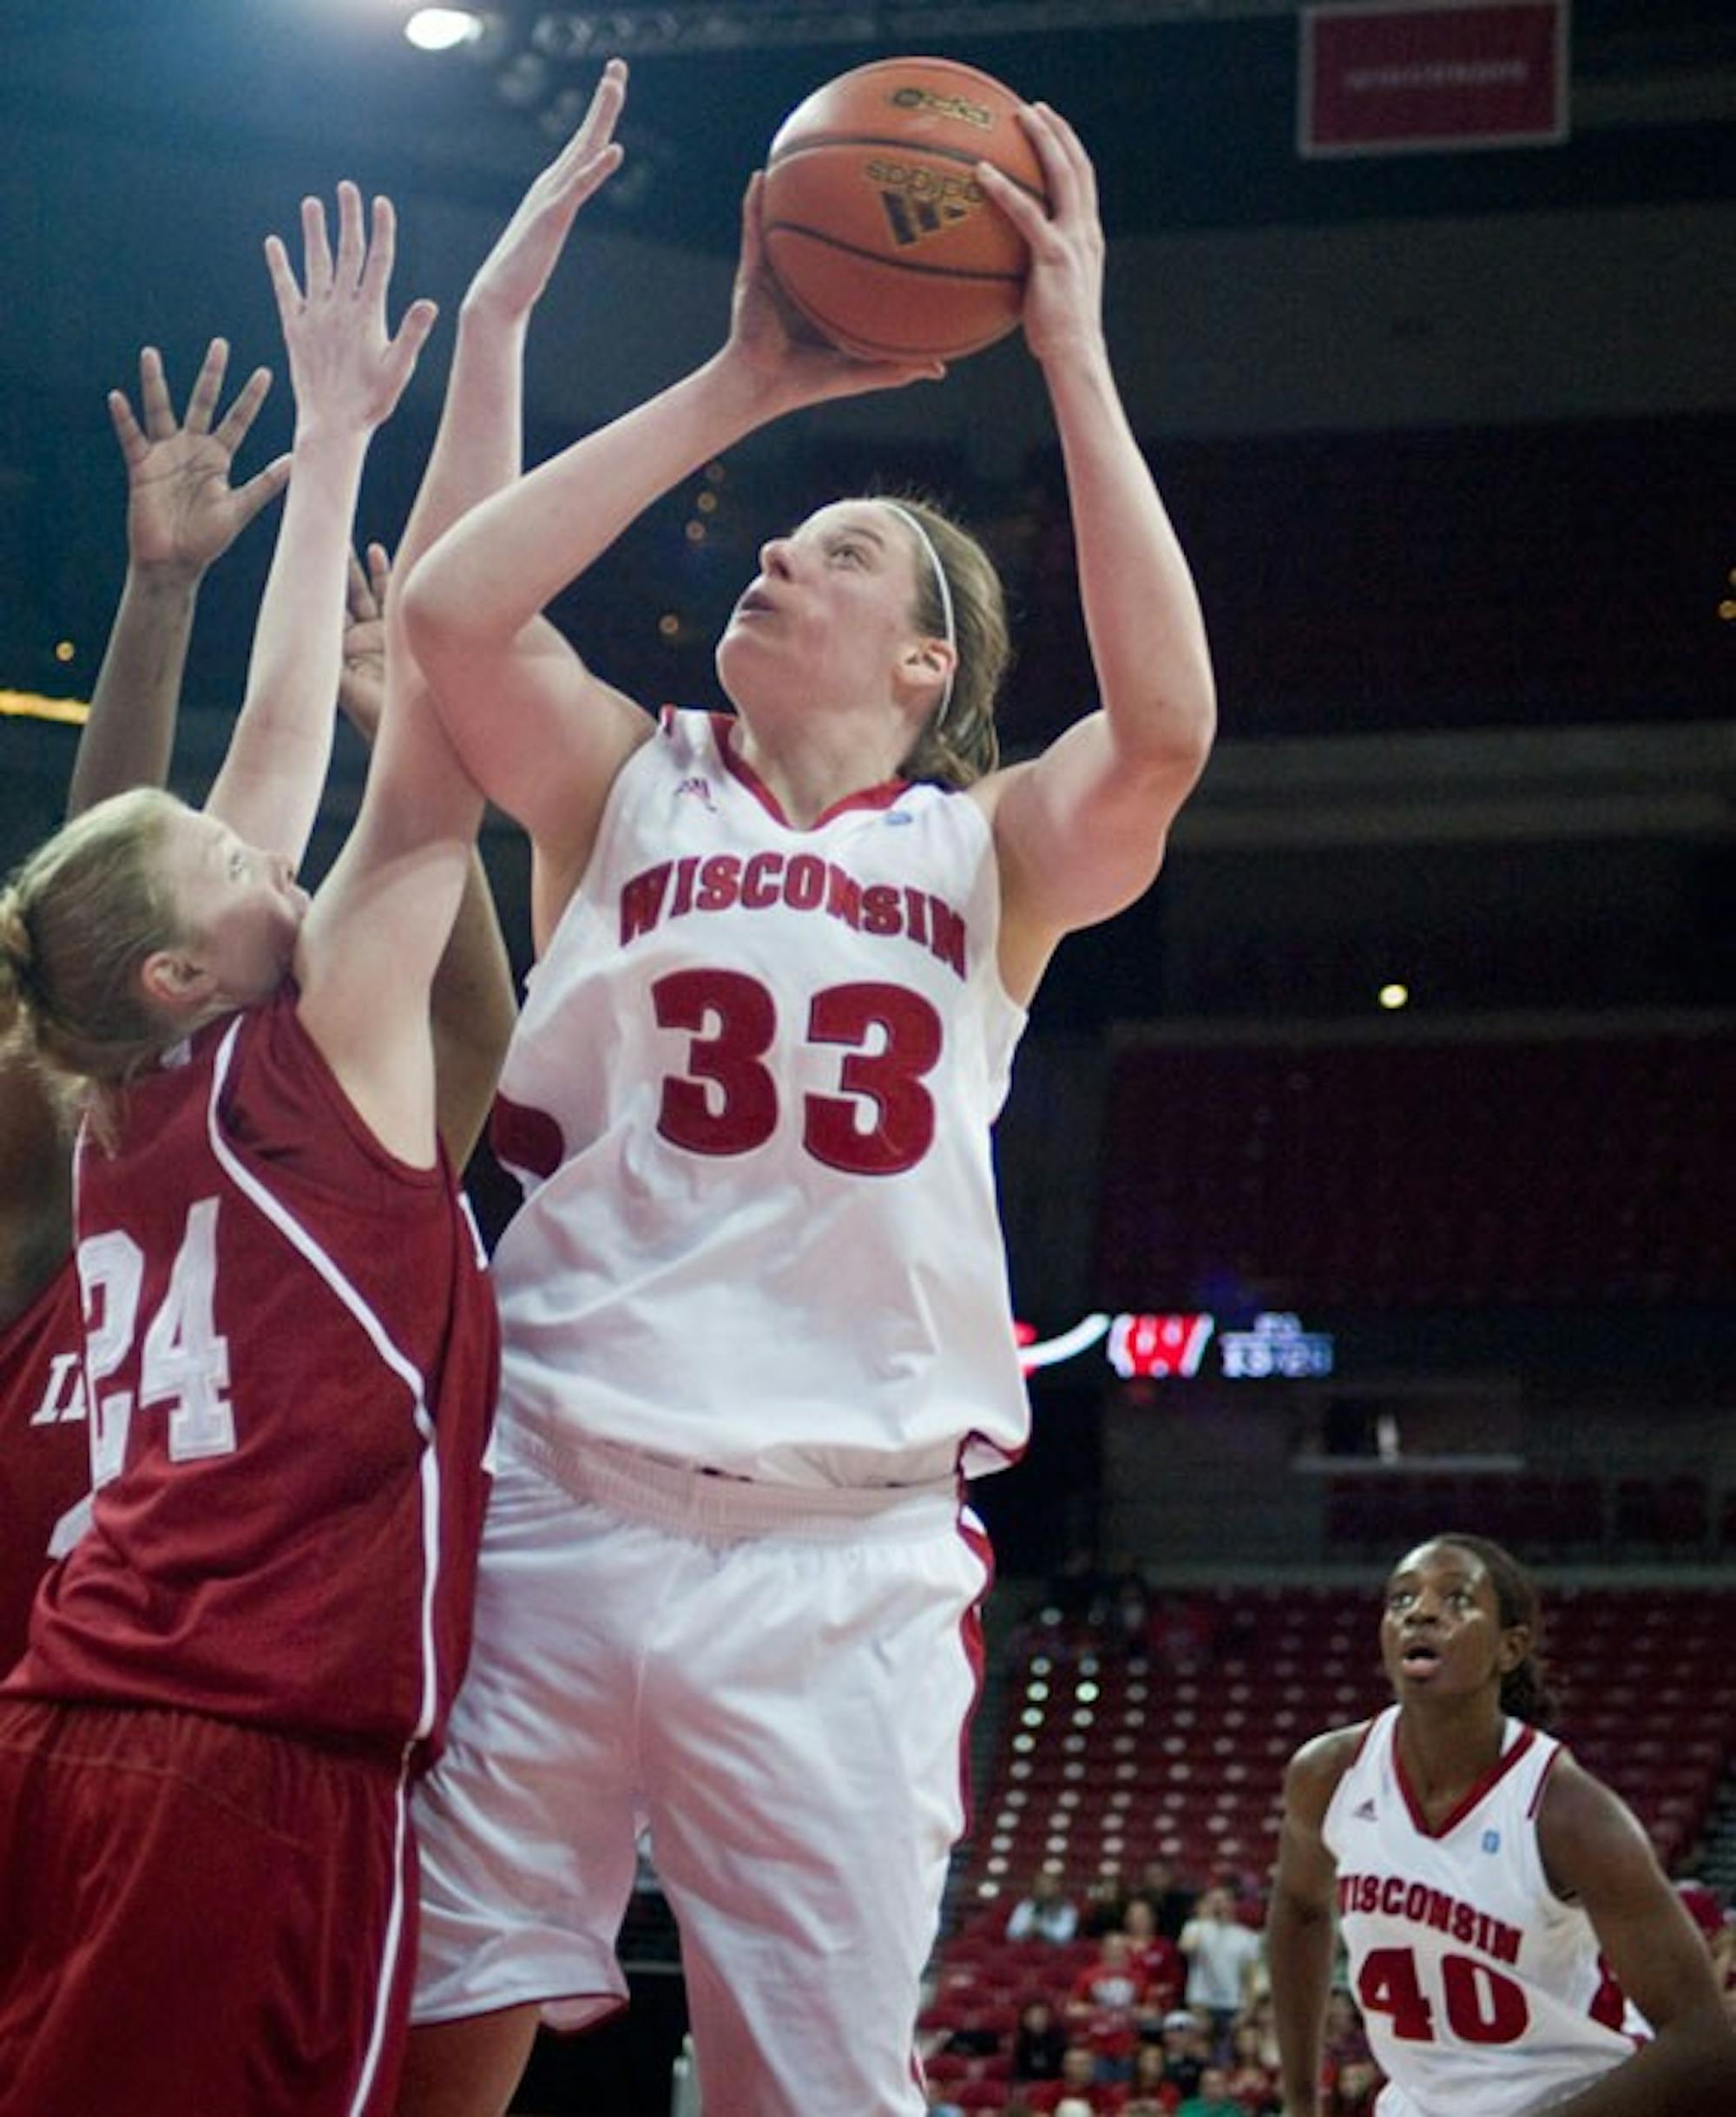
{"x": 712, "y": 1505}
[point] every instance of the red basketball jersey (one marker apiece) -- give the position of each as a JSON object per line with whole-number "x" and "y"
{"x": 290, "y": 1355}
{"x": 44, "y": 1453}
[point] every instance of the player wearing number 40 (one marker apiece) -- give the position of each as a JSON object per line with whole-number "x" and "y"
{"x": 1513, "y": 1944}
{"x": 754, "y": 1309}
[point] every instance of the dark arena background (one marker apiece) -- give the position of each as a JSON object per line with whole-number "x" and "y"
{"x": 1373, "y": 1174}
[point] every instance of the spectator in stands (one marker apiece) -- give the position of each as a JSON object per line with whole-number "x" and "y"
{"x": 1355, "y": 2086}
{"x": 1160, "y": 1963}
{"x": 1046, "y": 1913}
{"x": 1146, "y": 2076}
{"x": 940, "y": 2100}
{"x": 1078, "y": 2083}
{"x": 1187, "y": 2051}
{"x": 1222, "y": 1956}
{"x": 1112, "y": 1984}
{"x": 1171, "y": 1901}
{"x": 1039, "y": 2043}
{"x": 1105, "y": 1902}
{"x": 1253, "y": 2074}
{"x": 1211, "y": 2098}
{"x": 1105, "y": 2003}
{"x": 1345, "y": 2039}
{"x": 1515, "y": 2012}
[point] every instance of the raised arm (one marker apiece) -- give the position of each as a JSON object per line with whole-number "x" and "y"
{"x": 1300, "y": 1930}
{"x": 385, "y": 917}
{"x": 182, "y": 514}
{"x": 1594, "y": 1850}
{"x": 348, "y": 372}
{"x": 544, "y": 736}
{"x": 471, "y": 1004}
{"x": 1081, "y": 831}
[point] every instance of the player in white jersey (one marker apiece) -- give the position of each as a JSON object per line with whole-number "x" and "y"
{"x": 1513, "y": 1944}
{"x": 755, "y": 1306}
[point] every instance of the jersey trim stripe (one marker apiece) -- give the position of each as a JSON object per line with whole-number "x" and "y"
{"x": 395, "y": 1361}
{"x": 385, "y": 1971}
{"x": 1542, "y": 1782}
{"x": 1478, "y": 1793}
{"x": 880, "y": 797}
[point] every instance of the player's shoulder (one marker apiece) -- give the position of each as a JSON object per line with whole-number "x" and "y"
{"x": 1317, "y": 1767}
{"x": 1575, "y": 1802}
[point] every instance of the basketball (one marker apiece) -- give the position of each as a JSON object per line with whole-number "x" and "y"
{"x": 875, "y": 227}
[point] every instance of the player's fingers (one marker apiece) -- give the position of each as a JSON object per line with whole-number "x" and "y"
{"x": 207, "y": 386}
{"x": 402, "y": 354}
{"x": 1073, "y": 156}
{"x": 241, "y": 414}
{"x": 376, "y": 274}
{"x": 1059, "y": 175}
{"x": 597, "y": 128}
{"x": 380, "y": 573}
{"x": 157, "y": 414}
{"x": 283, "y": 280}
{"x": 316, "y": 250}
{"x": 260, "y": 490}
{"x": 128, "y": 431}
{"x": 753, "y": 213}
{"x": 1024, "y": 211}
{"x": 352, "y": 249}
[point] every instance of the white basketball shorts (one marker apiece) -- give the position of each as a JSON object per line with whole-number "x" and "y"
{"x": 778, "y": 1683}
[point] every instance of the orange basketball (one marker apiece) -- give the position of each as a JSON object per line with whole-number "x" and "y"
{"x": 875, "y": 226}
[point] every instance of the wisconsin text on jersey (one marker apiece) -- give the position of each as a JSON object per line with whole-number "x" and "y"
{"x": 765, "y": 881}
{"x": 1393, "y": 1897}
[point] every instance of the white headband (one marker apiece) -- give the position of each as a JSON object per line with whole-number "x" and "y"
{"x": 946, "y": 589}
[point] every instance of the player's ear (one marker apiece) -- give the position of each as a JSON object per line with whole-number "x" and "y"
{"x": 173, "y": 981}
{"x": 930, "y": 661}
{"x": 1516, "y": 1644}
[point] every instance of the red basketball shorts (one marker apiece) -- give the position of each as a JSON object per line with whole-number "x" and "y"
{"x": 197, "y": 1917}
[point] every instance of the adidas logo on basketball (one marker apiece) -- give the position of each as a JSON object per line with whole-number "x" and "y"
{"x": 943, "y": 106}
{"x": 919, "y": 203}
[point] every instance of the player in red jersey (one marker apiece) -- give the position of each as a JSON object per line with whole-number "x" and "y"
{"x": 182, "y": 514}
{"x": 204, "y": 1756}
{"x": 1496, "y": 1899}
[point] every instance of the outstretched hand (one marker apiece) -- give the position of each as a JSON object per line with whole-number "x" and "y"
{"x": 182, "y": 513}
{"x": 361, "y": 685}
{"x": 1063, "y": 303}
{"x": 511, "y": 277}
{"x": 348, "y": 370}
{"x": 781, "y": 349}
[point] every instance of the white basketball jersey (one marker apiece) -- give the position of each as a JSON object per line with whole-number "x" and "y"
{"x": 1481, "y": 1989}
{"x": 749, "y": 1098}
